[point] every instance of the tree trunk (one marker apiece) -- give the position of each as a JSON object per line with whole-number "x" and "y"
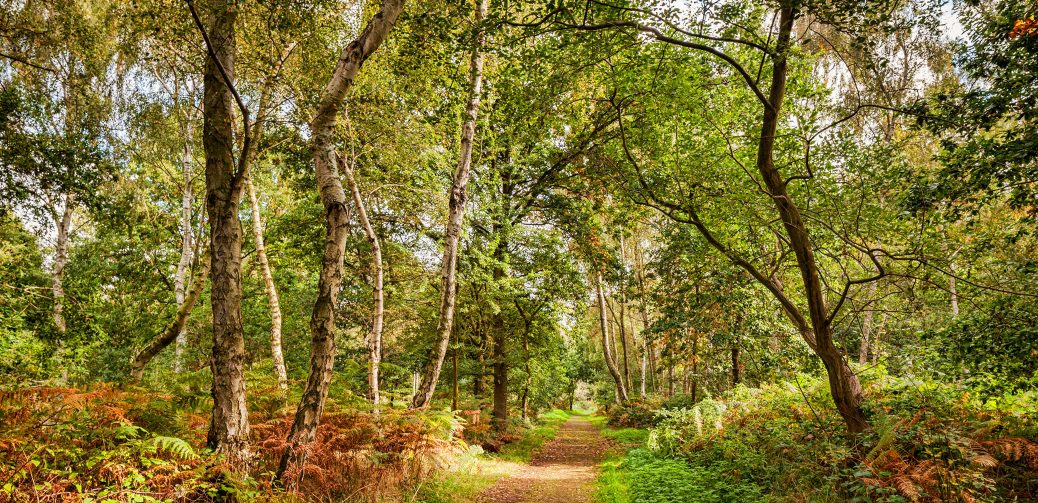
{"x": 694, "y": 375}
{"x": 670, "y": 379}
{"x": 654, "y": 385}
{"x": 645, "y": 364}
{"x": 173, "y": 331}
{"x": 186, "y": 241}
{"x": 843, "y": 384}
{"x": 953, "y": 289}
{"x": 477, "y": 381}
{"x": 499, "y": 337}
{"x": 229, "y": 426}
{"x": 322, "y": 321}
{"x": 270, "y": 288}
{"x": 57, "y": 275}
{"x": 526, "y": 367}
{"x": 623, "y": 338}
{"x": 621, "y": 390}
{"x": 273, "y": 301}
{"x": 64, "y": 226}
{"x": 455, "y": 218}
{"x": 378, "y": 309}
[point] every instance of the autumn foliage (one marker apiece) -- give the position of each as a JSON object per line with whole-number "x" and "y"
{"x": 107, "y": 443}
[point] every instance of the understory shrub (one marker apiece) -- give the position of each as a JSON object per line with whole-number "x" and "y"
{"x": 632, "y": 415}
{"x": 929, "y": 442}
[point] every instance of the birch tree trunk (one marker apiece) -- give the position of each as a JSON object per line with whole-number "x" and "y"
{"x": 456, "y": 213}
{"x": 173, "y": 331}
{"x": 229, "y": 425}
{"x": 623, "y": 337}
{"x": 378, "y": 307}
{"x": 322, "y": 321}
{"x": 186, "y": 242}
{"x": 621, "y": 390}
{"x": 273, "y": 301}
{"x": 269, "y": 287}
{"x": 953, "y": 289}
{"x": 64, "y": 227}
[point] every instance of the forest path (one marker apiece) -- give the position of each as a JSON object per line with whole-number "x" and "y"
{"x": 562, "y": 471}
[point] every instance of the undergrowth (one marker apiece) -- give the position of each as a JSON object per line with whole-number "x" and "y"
{"x": 929, "y": 443}
{"x": 103, "y": 443}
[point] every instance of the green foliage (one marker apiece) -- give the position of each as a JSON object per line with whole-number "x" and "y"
{"x": 931, "y": 442}
{"x": 645, "y": 476}
{"x": 993, "y": 349}
{"x": 627, "y": 436}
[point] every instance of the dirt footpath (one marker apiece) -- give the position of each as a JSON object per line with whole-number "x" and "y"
{"x": 562, "y": 471}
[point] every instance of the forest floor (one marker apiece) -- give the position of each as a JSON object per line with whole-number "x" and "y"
{"x": 564, "y": 470}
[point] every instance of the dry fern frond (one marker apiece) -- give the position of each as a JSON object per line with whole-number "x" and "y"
{"x": 906, "y": 487}
{"x": 984, "y": 460}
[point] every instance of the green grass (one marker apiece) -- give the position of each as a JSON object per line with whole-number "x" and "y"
{"x": 614, "y": 480}
{"x": 614, "y": 477}
{"x": 455, "y": 487}
{"x": 627, "y": 436}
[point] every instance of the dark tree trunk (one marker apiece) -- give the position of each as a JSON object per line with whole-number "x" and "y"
{"x": 843, "y": 384}
{"x": 229, "y": 425}
{"x": 500, "y": 339}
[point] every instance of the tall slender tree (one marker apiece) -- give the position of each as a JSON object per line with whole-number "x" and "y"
{"x": 336, "y": 217}
{"x": 455, "y": 216}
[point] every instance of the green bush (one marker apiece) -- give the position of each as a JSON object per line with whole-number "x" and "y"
{"x": 632, "y": 415}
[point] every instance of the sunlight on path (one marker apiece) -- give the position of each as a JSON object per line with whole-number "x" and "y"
{"x": 563, "y": 470}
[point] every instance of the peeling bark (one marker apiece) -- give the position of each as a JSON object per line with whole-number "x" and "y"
{"x": 456, "y": 214}
{"x": 322, "y": 321}
{"x": 229, "y": 424}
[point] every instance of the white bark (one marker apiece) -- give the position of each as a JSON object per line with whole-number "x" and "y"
{"x": 952, "y": 288}
{"x": 64, "y": 226}
{"x": 378, "y": 308}
{"x": 270, "y": 288}
{"x": 621, "y": 390}
{"x": 456, "y": 215}
{"x": 186, "y": 242}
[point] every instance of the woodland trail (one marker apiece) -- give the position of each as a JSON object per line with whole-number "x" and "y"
{"x": 564, "y": 470}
